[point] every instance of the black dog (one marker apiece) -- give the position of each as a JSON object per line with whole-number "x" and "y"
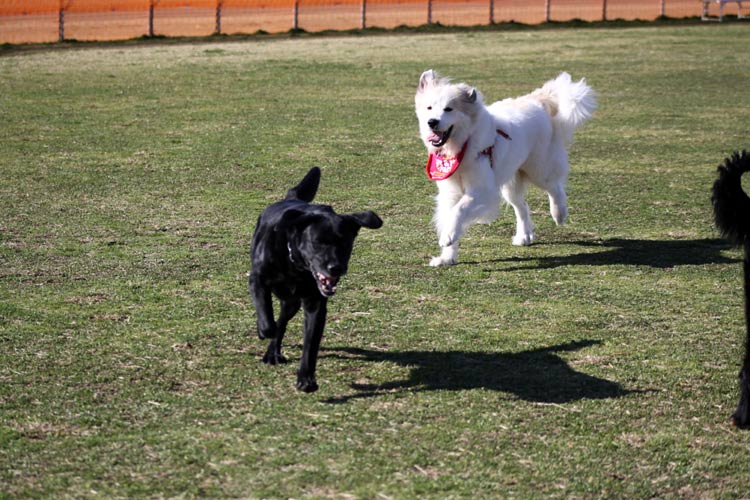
{"x": 732, "y": 216}
{"x": 299, "y": 253}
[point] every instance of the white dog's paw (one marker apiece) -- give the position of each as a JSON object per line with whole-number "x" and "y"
{"x": 523, "y": 240}
{"x": 439, "y": 261}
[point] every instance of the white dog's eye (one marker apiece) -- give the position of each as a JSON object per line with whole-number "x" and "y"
{"x": 448, "y": 110}
{"x": 429, "y": 108}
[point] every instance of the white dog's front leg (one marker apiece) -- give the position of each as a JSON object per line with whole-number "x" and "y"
{"x": 447, "y": 238}
{"x": 446, "y": 226}
{"x": 451, "y": 225}
{"x": 447, "y": 256}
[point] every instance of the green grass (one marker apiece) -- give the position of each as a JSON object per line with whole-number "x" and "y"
{"x": 600, "y": 362}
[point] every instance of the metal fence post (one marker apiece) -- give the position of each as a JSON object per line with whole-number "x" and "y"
{"x": 492, "y": 11}
{"x": 604, "y": 10}
{"x": 61, "y": 22}
{"x": 429, "y": 11}
{"x": 151, "y": 18}
{"x": 295, "y": 26}
{"x": 218, "y": 17}
{"x": 364, "y": 14}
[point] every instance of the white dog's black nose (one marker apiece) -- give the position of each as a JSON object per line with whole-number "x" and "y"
{"x": 433, "y": 123}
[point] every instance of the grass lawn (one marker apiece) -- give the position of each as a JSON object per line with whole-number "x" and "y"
{"x": 600, "y": 362}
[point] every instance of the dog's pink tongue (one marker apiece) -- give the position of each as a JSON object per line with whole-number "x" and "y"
{"x": 434, "y": 137}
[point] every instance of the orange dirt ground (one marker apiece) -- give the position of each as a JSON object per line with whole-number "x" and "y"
{"x": 123, "y": 19}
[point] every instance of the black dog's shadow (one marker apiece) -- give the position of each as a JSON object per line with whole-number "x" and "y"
{"x": 660, "y": 254}
{"x": 537, "y": 375}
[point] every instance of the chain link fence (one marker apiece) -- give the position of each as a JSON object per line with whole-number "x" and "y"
{"x": 31, "y": 21}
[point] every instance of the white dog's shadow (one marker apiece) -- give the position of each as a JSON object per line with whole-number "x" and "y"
{"x": 537, "y": 375}
{"x": 660, "y": 254}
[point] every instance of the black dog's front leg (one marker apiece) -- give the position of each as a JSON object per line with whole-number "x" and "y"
{"x": 741, "y": 416}
{"x": 288, "y": 308}
{"x": 263, "y": 308}
{"x": 315, "y": 322}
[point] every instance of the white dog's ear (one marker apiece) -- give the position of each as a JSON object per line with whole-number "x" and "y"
{"x": 426, "y": 80}
{"x": 467, "y": 93}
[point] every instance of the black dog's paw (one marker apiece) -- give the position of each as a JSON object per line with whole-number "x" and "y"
{"x": 307, "y": 384}
{"x": 741, "y": 416}
{"x": 274, "y": 358}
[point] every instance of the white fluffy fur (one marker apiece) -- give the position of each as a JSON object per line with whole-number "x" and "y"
{"x": 540, "y": 126}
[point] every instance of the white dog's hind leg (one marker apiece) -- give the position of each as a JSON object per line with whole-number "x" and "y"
{"x": 558, "y": 206}
{"x": 514, "y": 193}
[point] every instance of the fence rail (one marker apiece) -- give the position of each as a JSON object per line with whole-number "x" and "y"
{"x": 25, "y": 21}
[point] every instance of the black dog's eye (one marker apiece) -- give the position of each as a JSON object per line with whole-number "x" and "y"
{"x": 448, "y": 109}
{"x": 429, "y": 108}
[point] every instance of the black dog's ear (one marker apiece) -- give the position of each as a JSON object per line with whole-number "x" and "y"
{"x": 307, "y": 187}
{"x": 367, "y": 219}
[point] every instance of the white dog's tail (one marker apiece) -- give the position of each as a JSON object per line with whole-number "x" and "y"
{"x": 569, "y": 103}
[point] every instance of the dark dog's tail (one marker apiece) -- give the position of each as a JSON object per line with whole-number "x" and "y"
{"x": 306, "y": 189}
{"x": 731, "y": 203}
{"x": 732, "y": 216}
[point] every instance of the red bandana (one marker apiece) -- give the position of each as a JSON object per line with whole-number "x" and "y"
{"x": 440, "y": 167}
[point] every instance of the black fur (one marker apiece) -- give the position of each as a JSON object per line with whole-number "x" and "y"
{"x": 299, "y": 252}
{"x": 732, "y": 216}
{"x": 731, "y": 203}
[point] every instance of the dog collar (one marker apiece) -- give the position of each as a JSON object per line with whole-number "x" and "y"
{"x": 488, "y": 151}
{"x": 441, "y": 167}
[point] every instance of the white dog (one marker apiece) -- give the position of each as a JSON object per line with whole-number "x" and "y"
{"x": 477, "y": 151}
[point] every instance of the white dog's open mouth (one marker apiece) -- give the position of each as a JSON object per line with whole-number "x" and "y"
{"x": 438, "y": 138}
{"x": 326, "y": 284}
